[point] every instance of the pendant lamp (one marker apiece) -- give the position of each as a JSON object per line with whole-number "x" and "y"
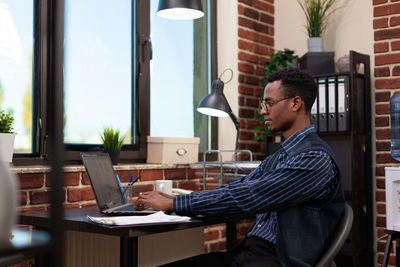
{"x": 180, "y": 9}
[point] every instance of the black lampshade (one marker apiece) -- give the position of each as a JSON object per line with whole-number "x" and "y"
{"x": 180, "y": 9}
{"x": 215, "y": 104}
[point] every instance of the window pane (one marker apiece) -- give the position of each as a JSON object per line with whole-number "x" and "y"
{"x": 16, "y": 48}
{"x": 98, "y": 84}
{"x": 178, "y": 75}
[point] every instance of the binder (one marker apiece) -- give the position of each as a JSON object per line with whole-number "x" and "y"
{"x": 332, "y": 117}
{"x": 343, "y": 104}
{"x": 322, "y": 111}
{"x": 314, "y": 112}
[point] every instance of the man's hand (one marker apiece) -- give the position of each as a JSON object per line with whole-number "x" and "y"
{"x": 155, "y": 200}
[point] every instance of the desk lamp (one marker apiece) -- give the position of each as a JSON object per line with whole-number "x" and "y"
{"x": 180, "y": 9}
{"x": 215, "y": 104}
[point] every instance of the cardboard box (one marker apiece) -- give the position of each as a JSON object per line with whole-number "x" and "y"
{"x": 180, "y": 150}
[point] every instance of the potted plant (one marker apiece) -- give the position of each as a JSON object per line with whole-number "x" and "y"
{"x": 7, "y": 135}
{"x": 280, "y": 60}
{"x": 112, "y": 143}
{"x": 317, "y": 13}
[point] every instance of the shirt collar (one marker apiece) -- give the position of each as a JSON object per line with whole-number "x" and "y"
{"x": 296, "y": 138}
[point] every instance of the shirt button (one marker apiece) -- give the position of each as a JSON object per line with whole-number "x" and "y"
{"x": 259, "y": 225}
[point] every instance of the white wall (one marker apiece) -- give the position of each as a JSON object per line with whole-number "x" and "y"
{"x": 227, "y": 49}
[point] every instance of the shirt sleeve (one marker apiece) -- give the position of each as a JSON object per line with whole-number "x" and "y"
{"x": 306, "y": 176}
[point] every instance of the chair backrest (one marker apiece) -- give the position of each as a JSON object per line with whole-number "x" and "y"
{"x": 343, "y": 231}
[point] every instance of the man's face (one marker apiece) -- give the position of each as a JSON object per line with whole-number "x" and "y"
{"x": 276, "y": 108}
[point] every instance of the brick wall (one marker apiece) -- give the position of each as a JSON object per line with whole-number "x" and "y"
{"x": 386, "y": 26}
{"x": 256, "y": 43}
{"x": 34, "y": 193}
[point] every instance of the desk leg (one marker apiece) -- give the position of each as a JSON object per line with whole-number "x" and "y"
{"x": 230, "y": 235}
{"x": 129, "y": 252}
{"x": 386, "y": 256}
{"x": 397, "y": 252}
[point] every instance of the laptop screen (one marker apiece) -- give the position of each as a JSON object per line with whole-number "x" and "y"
{"x": 102, "y": 178}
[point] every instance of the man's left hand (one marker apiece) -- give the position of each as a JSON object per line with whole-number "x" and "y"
{"x": 155, "y": 200}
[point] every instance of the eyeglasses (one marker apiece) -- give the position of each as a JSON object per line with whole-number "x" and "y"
{"x": 267, "y": 104}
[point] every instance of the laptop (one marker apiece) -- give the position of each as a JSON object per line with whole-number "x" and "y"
{"x": 106, "y": 186}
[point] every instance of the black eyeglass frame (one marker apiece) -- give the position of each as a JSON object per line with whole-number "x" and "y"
{"x": 264, "y": 103}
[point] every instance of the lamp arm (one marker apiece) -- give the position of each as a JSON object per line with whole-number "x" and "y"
{"x": 237, "y": 126}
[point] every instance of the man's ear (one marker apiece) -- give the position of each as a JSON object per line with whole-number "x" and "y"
{"x": 297, "y": 103}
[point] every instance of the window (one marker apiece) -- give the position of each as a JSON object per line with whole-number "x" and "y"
{"x": 16, "y": 59}
{"x": 109, "y": 76}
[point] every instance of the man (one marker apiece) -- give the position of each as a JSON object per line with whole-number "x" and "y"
{"x": 296, "y": 193}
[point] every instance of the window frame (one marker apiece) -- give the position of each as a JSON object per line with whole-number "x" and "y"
{"x": 140, "y": 78}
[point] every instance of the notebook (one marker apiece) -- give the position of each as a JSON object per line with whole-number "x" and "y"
{"x": 106, "y": 186}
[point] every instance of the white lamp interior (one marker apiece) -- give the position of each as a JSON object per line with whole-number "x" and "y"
{"x": 213, "y": 112}
{"x": 180, "y": 13}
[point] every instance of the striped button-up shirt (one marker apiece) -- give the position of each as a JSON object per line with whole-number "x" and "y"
{"x": 295, "y": 180}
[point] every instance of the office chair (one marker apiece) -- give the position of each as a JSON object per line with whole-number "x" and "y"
{"x": 344, "y": 228}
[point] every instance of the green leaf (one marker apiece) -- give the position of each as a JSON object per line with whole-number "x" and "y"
{"x": 111, "y": 139}
{"x": 6, "y": 121}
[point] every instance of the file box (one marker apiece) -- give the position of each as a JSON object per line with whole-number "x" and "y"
{"x": 180, "y": 150}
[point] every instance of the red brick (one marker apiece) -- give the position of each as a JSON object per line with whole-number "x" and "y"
{"x": 383, "y": 133}
{"x": 244, "y": 135}
{"x": 31, "y": 209}
{"x": 79, "y": 194}
{"x": 380, "y": 196}
{"x": 381, "y": 47}
{"x": 382, "y": 72}
{"x": 382, "y": 96}
{"x": 380, "y": 23}
{"x": 387, "y": 83}
{"x": 380, "y": 221}
{"x": 189, "y": 185}
{"x": 240, "y": 9}
{"x": 246, "y": 23}
{"x": 383, "y": 146}
{"x": 387, "y": 59}
{"x": 386, "y": 10}
{"x": 71, "y": 178}
{"x": 394, "y": 21}
{"x": 125, "y": 176}
{"x": 175, "y": 174}
{"x": 151, "y": 175}
{"x": 138, "y": 188}
{"x": 261, "y": 28}
{"x": 34, "y": 180}
{"x": 264, "y": 6}
{"x": 396, "y": 71}
{"x": 381, "y": 209}
{"x": 88, "y": 204}
{"x": 211, "y": 235}
{"x": 251, "y": 13}
{"x": 85, "y": 179}
{"x": 260, "y": 49}
{"x": 382, "y": 109}
{"x": 252, "y": 102}
{"x": 385, "y": 158}
{"x": 395, "y": 45}
{"x": 248, "y": 2}
{"x": 380, "y": 171}
{"x": 23, "y": 197}
{"x": 247, "y": 68}
{"x": 260, "y": 71}
{"x": 386, "y": 34}
{"x": 39, "y": 197}
{"x": 245, "y": 90}
{"x": 267, "y": 18}
{"x": 248, "y": 57}
{"x": 246, "y": 113}
{"x": 380, "y": 183}
{"x": 249, "y": 80}
{"x": 376, "y": 2}
{"x": 218, "y": 246}
{"x": 382, "y": 121}
{"x": 245, "y": 45}
{"x": 241, "y": 102}
{"x": 195, "y": 173}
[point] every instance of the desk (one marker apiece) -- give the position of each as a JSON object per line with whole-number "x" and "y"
{"x": 75, "y": 220}
{"x": 391, "y": 236}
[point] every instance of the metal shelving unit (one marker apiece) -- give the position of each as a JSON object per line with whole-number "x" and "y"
{"x": 227, "y": 170}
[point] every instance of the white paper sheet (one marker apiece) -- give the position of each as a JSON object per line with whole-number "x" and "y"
{"x": 132, "y": 220}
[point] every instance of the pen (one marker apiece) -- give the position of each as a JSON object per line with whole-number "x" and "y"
{"x": 122, "y": 189}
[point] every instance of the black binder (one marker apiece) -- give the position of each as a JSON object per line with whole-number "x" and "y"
{"x": 314, "y": 112}
{"x": 332, "y": 106}
{"x": 343, "y": 104}
{"x": 322, "y": 110}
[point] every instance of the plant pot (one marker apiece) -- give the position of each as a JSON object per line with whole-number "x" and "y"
{"x": 315, "y": 44}
{"x": 8, "y": 203}
{"x": 7, "y": 146}
{"x": 114, "y": 155}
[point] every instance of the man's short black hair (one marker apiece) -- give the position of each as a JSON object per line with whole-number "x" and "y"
{"x": 295, "y": 82}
